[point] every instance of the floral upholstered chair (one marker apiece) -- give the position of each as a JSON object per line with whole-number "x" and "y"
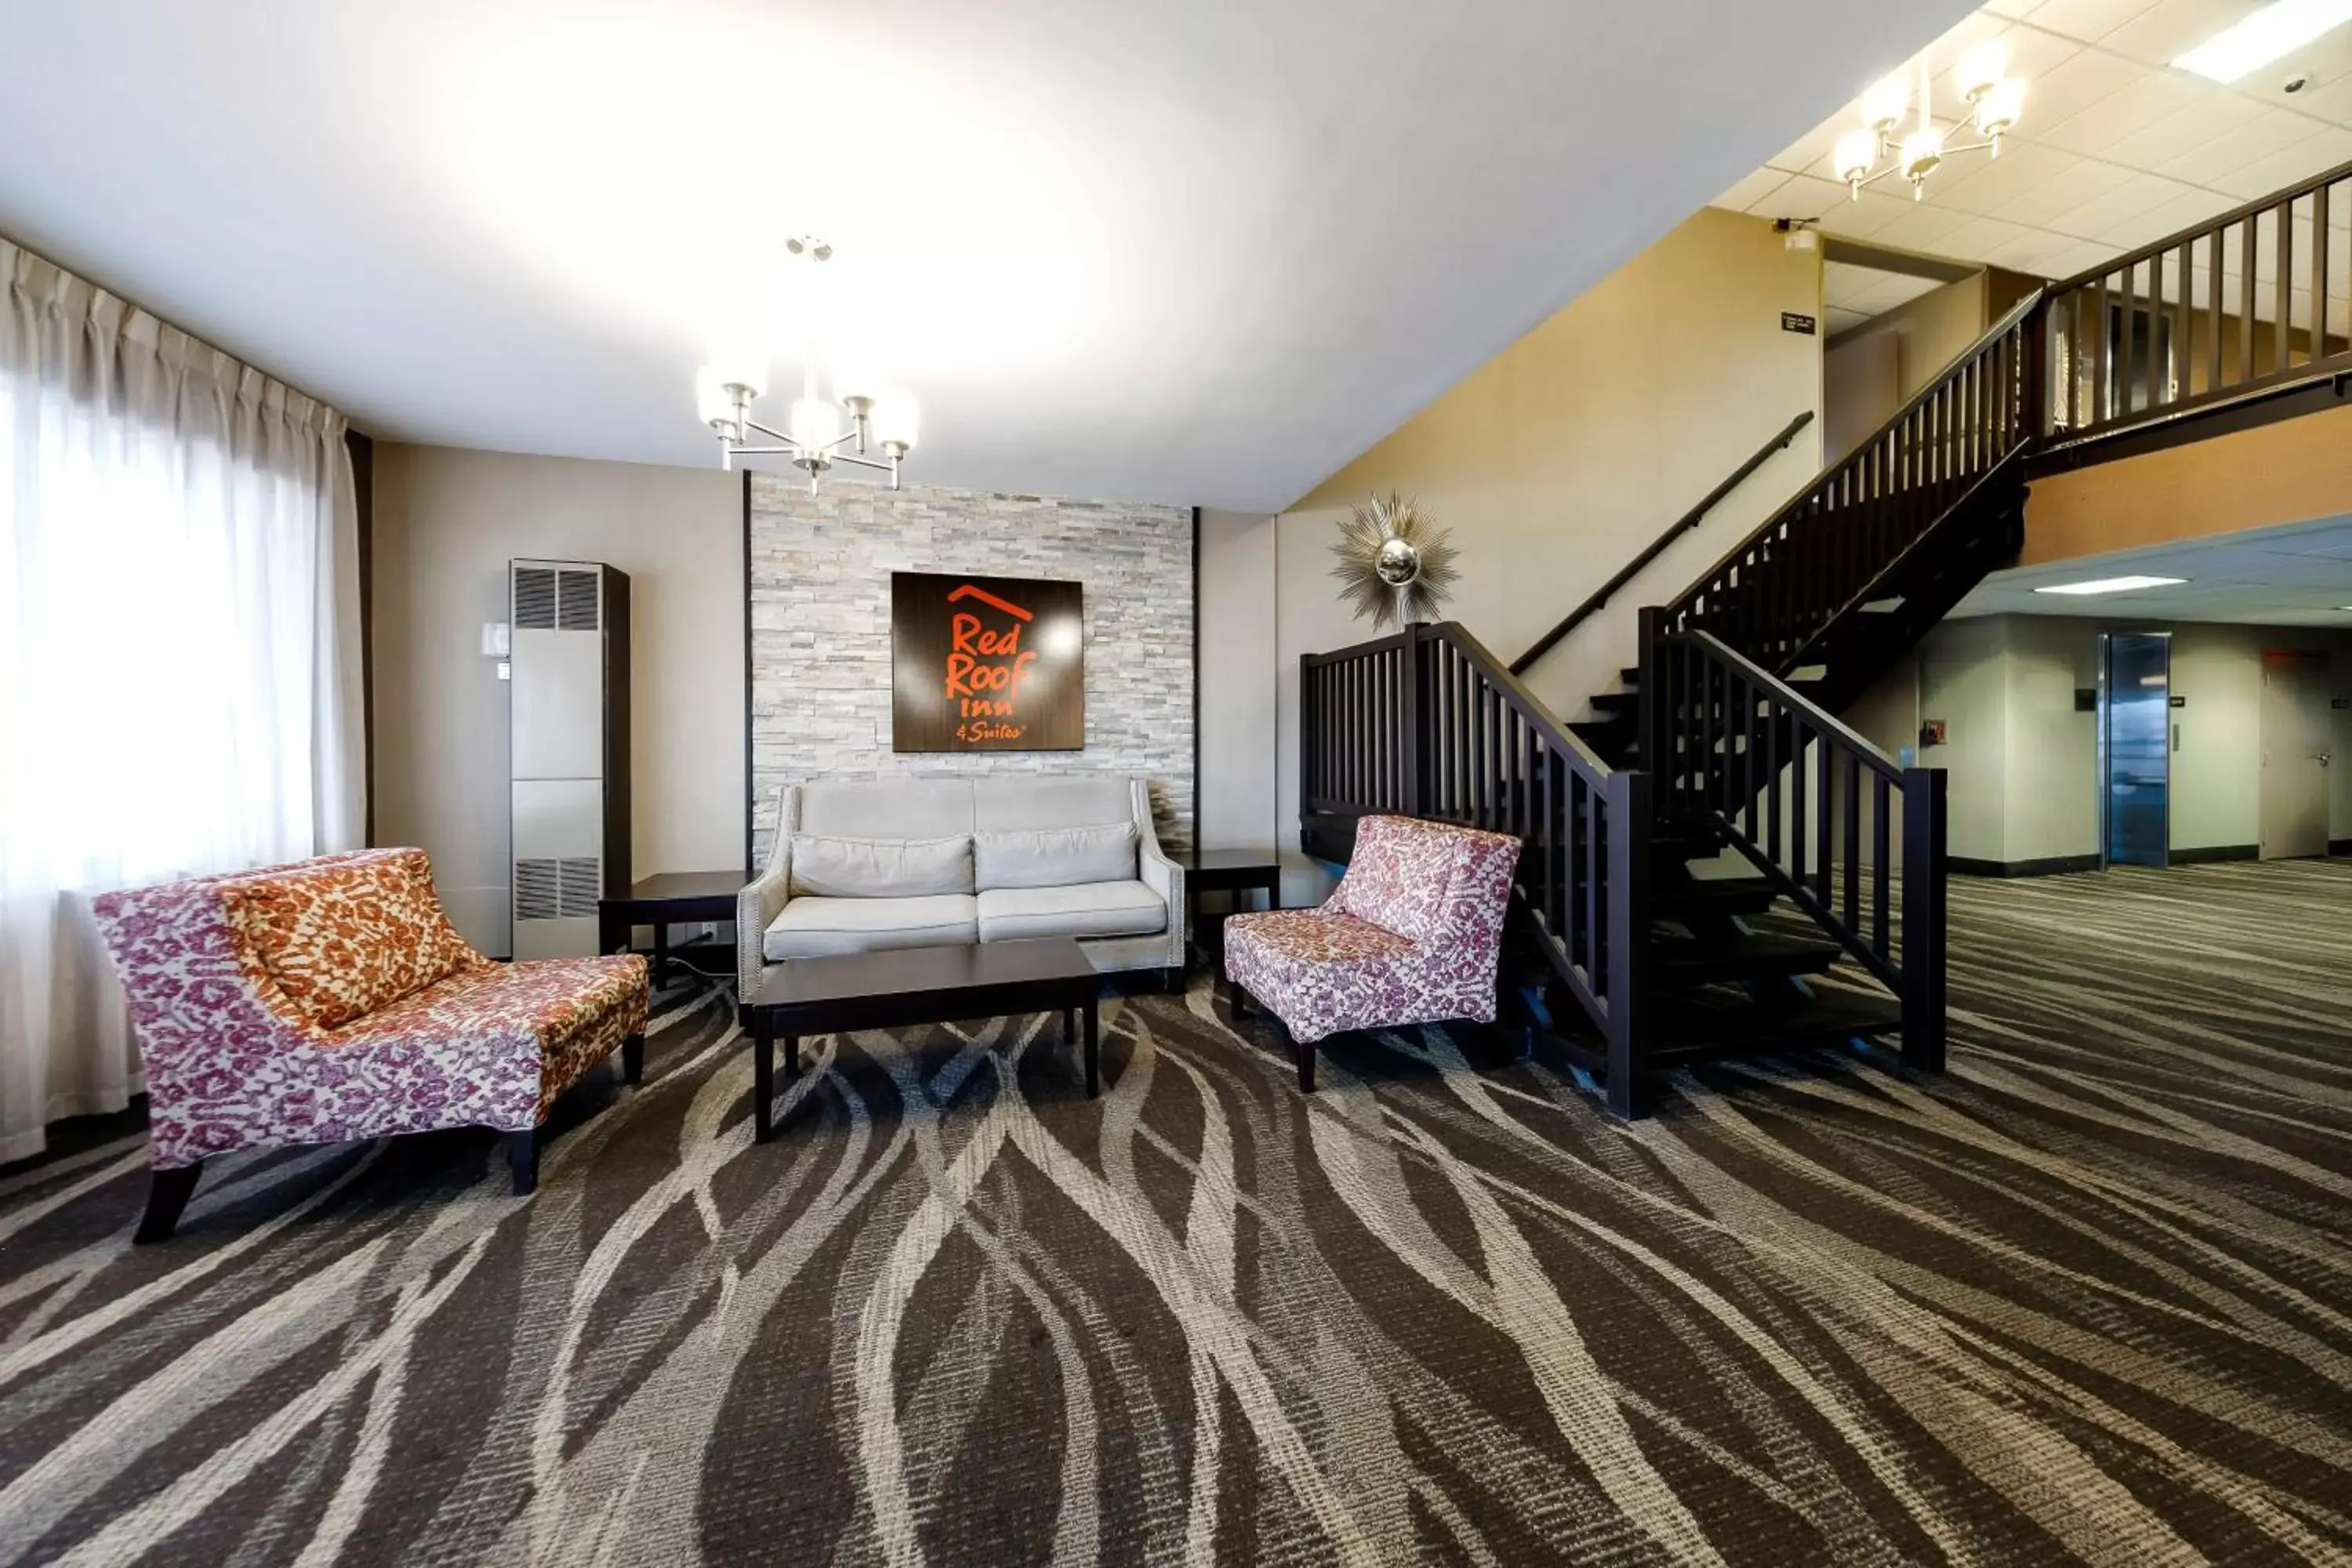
{"x": 331, "y": 999}
{"x": 1411, "y": 935}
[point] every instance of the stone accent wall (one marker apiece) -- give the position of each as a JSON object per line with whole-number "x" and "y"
{"x": 820, "y": 570}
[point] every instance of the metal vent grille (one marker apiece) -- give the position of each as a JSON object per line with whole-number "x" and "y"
{"x": 535, "y": 889}
{"x": 576, "y": 601}
{"x": 584, "y": 884}
{"x": 534, "y": 598}
{"x": 549, "y": 890}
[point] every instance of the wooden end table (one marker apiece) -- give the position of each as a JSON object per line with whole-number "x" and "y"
{"x": 673, "y": 898}
{"x": 1232, "y": 872}
{"x": 901, "y": 986}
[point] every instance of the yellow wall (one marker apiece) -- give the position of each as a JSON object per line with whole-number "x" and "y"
{"x": 1559, "y": 460}
{"x": 2291, "y": 471}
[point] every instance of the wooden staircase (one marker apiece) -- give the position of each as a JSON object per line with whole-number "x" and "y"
{"x": 1711, "y": 860}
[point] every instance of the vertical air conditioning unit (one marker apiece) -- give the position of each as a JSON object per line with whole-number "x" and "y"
{"x": 568, "y": 727}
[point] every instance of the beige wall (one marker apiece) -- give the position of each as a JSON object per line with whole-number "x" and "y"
{"x": 2023, "y": 764}
{"x": 2291, "y": 472}
{"x": 1562, "y": 457}
{"x": 447, "y": 522}
{"x": 1238, "y": 777}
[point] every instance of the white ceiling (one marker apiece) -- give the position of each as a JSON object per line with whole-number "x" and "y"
{"x": 1195, "y": 251}
{"x": 2116, "y": 149}
{"x": 2299, "y": 576}
{"x": 1852, "y": 295}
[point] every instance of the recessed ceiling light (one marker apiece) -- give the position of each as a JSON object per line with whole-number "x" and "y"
{"x": 2111, "y": 585}
{"x": 2278, "y": 29}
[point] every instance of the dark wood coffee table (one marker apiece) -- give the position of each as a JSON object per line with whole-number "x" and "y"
{"x": 895, "y": 989}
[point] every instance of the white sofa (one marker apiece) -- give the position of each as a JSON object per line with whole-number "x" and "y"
{"x": 875, "y": 864}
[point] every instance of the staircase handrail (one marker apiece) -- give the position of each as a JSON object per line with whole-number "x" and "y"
{"x": 1657, "y": 547}
{"x": 1832, "y": 476}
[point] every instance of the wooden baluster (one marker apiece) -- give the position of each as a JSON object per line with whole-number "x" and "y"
{"x": 2103, "y": 399}
{"x": 1851, "y": 844}
{"x": 1823, "y": 842}
{"x": 2247, "y": 251}
{"x": 2213, "y": 312}
{"x": 2176, "y": 363}
{"x": 1798, "y": 757}
{"x": 2319, "y": 274}
{"x": 1882, "y": 865}
{"x": 2283, "y": 222}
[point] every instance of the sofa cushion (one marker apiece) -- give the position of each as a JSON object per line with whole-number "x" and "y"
{"x": 347, "y": 935}
{"x": 1054, "y": 856}
{"x": 829, "y": 867}
{"x": 817, "y": 927}
{"x": 1099, "y": 908}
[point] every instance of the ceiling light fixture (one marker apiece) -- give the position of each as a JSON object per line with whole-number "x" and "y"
{"x": 815, "y": 439}
{"x": 2111, "y": 585}
{"x": 2279, "y": 28}
{"x": 1996, "y": 99}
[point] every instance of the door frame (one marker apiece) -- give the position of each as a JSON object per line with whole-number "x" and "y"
{"x": 2105, "y": 778}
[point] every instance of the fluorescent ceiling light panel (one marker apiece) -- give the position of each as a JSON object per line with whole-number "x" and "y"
{"x": 2111, "y": 585}
{"x": 2278, "y": 29}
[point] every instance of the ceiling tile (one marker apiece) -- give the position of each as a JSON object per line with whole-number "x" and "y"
{"x": 1977, "y": 238}
{"x": 1799, "y": 196}
{"x": 2088, "y": 20}
{"x": 2076, "y": 83}
{"x": 2032, "y": 251}
{"x": 2080, "y": 257}
{"x": 2155, "y": 96}
{"x": 2313, "y": 155}
{"x": 2077, "y": 181}
{"x": 2125, "y": 195}
{"x": 1750, "y": 189}
{"x": 1977, "y": 182}
{"x": 2164, "y": 217}
{"x": 2209, "y": 114}
{"x": 2171, "y": 28}
{"x": 1839, "y": 320}
{"x": 1923, "y": 227}
{"x": 2012, "y": 8}
{"x": 2270, "y": 131}
{"x": 1863, "y": 219}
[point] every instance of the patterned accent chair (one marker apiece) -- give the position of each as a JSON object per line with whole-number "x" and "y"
{"x": 331, "y": 999}
{"x": 1411, "y": 935}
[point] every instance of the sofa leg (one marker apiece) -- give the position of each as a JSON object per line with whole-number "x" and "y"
{"x": 1172, "y": 980}
{"x": 522, "y": 1159}
{"x": 633, "y": 1060}
{"x": 168, "y": 1192}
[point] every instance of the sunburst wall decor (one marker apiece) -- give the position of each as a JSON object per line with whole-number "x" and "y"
{"x": 1393, "y": 565}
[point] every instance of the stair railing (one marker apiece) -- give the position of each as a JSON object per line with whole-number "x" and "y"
{"x": 1808, "y": 562}
{"x": 1813, "y": 806}
{"x": 1657, "y": 547}
{"x": 1427, "y": 722}
{"x": 2191, "y": 322}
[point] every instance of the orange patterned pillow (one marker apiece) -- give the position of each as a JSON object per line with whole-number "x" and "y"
{"x": 350, "y": 935}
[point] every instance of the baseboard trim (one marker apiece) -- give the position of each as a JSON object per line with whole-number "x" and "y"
{"x": 2049, "y": 866}
{"x": 2339, "y": 847}
{"x": 2212, "y": 852}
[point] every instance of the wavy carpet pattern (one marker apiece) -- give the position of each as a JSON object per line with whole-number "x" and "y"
{"x": 2088, "y": 1298}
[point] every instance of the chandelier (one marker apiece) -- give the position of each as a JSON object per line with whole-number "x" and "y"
{"x": 1995, "y": 98}
{"x": 855, "y": 422}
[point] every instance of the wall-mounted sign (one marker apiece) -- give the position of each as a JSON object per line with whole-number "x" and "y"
{"x": 986, "y": 664}
{"x": 1791, "y": 322}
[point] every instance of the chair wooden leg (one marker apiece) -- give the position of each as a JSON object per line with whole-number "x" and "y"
{"x": 167, "y": 1194}
{"x": 633, "y": 1060}
{"x": 1305, "y": 1066}
{"x": 522, "y": 1158}
{"x": 1240, "y": 998}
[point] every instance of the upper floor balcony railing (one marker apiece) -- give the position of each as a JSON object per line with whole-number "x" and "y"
{"x": 2239, "y": 308}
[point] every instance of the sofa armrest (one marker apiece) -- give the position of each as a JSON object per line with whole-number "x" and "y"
{"x": 756, "y": 908}
{"x": 1161, "y": 875}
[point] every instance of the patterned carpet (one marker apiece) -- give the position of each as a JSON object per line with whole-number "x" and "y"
{"x": 2087, "y": 1298}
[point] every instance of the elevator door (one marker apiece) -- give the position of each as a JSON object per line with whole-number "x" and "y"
{"x": 2134, "y": 747}
{"x": 2297, "y": 743}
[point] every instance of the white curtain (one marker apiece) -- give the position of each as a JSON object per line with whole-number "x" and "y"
{"x": 179, "y": 654}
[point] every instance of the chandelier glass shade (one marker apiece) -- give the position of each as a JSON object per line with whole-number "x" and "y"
{"x": 1879, "y": 147}
{"x": 855, "y": 423}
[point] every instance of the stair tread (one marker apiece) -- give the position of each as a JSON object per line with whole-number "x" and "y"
{"x": 1715, "y": 895}
{"x": 1697, "y": 1024}
{"x": 1748, "y": 955}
